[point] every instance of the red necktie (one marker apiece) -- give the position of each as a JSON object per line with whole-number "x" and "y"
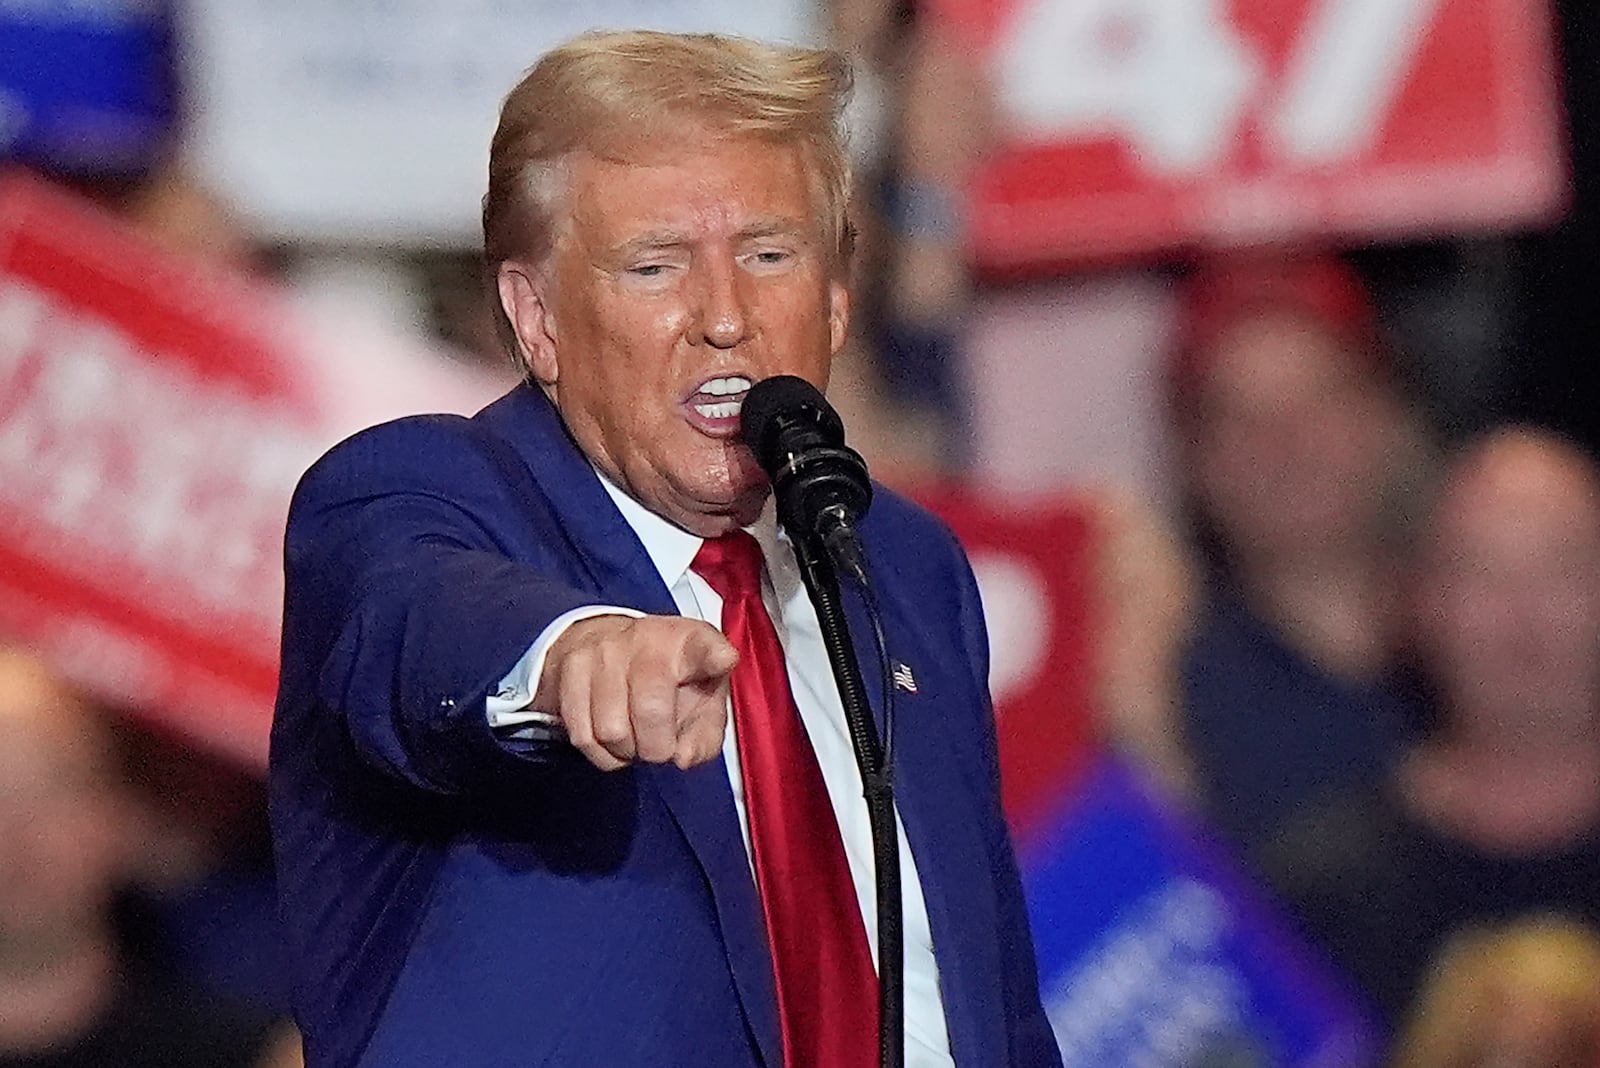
{"x": 827, "y": 989}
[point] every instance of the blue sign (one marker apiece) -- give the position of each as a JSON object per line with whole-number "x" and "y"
{"x": 86, "y": 86}
{"x": 1154, "y": 952}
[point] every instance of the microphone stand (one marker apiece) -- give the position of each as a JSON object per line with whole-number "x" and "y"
{"x": 821, "y": 577}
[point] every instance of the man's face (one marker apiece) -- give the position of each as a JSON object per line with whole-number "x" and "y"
{"x": 1511, "y": 592}
{"x": 1289, "y": 444}
{"x": 677, "y": 281}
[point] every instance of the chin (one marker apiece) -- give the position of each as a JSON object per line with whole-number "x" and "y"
{"x": 710, "y": 507}
{"x": 734, "y": 481}
{"x": 747, "y": 509}
{"x": 742, "y": 501}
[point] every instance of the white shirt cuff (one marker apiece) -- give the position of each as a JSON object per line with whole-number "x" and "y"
{"x": 507, "y": 706}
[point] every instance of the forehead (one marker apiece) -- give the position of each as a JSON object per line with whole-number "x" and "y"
{"x": 698, "y": 187}
{"x": 1276, "y": 354}
{"x": 1519, "y": 500}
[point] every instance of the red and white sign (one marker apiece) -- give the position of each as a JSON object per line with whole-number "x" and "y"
{"x": 1034, "y": 565}
{"x": 154, "y": 419}
{"x": 1130, "y": 126}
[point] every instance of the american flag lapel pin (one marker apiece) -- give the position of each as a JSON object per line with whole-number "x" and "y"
{"x": 903, "y": 679}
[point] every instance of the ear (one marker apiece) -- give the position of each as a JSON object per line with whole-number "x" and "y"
{"x": 523, "y": 298}
{"x": 838, "y": 315}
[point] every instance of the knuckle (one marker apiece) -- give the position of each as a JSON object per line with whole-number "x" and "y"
{"x": 579, "y": 733}
{"x": 611, "y": 731}
{"x": 580, "y": 659}
{"x": 652, "y": 708}
{"x": 649, "y": 629}
{"x": 655, "y": 749}
{"x": 575, "y": 715}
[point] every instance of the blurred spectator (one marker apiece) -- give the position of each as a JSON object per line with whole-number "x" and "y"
{"x": 1497, "y": 812}
{"x": 1294, "y": 446}
{"x": 1145, "y": 590}
{"x": 917, "y": 129}
{"x": 70, "y": 993}
{"x": 203, "y": 899}
{"x": 1525, "y": 995}
{"x": 174, "y": 210}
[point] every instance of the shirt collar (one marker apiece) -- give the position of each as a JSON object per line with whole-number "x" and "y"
{"x": 671, "y": 548}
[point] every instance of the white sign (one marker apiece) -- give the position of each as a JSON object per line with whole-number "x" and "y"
{"x": 369, "y": 121}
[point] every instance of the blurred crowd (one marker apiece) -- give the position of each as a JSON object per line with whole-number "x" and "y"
{"x": 1361, "y": 646}
{"x": 1386, "y": 692}
{"x": 105, "y": 867}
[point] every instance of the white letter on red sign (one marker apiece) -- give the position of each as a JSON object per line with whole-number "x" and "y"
{"x": 1348, "y": 64}
{"x": 1172, "y": 77}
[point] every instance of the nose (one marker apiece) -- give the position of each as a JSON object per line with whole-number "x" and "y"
{"x": 724, "y": 318}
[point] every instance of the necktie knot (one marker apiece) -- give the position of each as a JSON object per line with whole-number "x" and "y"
{"x": 731, "y": 565}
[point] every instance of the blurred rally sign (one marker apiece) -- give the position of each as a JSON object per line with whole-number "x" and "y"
{"x": 86, "y": 86}
{"x": 1154, "y": 952}
{"x": 1034, "y": 563}
{"x": 1129, "y": 126}
{"x": 370, "y": 122}
{"x": 154, "y": 418}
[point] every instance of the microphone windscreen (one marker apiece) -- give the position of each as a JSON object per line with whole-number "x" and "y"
{"x": 785, "y": 398}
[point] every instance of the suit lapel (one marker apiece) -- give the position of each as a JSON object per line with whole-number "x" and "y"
{"x": 702, "y": 805}
{"x": 700, "y": 800}
{"x": 942, "y": 827}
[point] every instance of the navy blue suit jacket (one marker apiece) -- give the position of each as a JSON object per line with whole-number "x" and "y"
{"x": 456, "y": 899}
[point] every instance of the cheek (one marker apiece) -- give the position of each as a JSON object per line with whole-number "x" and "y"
{"x": 63, "y": 849}
{"x": 1485, "y": 621}
{"x": 811, "y": 325}
{"x": 621, "y": 377}
{"x": 1566, "y": 613}
{"x": 1225, "y": 470}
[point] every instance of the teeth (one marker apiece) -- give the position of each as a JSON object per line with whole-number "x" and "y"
{"x": 722, "y": 387}
{"x": 724, "y": 410}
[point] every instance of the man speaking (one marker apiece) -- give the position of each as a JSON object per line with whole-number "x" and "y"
{"x": 686, "y": 877}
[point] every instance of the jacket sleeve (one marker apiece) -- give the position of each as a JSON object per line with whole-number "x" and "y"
{"x": 404, "y": 604}
{"x": 1031, "y": 1041}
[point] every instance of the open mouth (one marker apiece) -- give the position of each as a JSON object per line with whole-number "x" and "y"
{"x": 720, "y": 399}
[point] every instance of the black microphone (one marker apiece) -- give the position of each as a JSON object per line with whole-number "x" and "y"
{"x": 821, "y": 484}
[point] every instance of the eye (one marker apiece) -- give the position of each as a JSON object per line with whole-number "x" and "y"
{"x": 648, "y": 270}
{"x": 769, "y": 257}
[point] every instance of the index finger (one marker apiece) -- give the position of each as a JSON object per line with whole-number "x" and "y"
{"x": 706, "y": 656}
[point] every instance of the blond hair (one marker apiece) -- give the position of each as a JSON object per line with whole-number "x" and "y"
{"x": 614, "y": 93}
{"x": 1547, "y": 960}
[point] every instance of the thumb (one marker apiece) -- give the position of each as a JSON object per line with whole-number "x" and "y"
{"x": 708, "y": 656}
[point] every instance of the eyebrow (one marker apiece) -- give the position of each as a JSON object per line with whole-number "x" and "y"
{"x": 765, "y": 226}
{"x": 771, "y": 225}
{"x": 652, "y": 240}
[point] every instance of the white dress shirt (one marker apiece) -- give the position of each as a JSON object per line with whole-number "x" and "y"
{"x": 672, "y": 550}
